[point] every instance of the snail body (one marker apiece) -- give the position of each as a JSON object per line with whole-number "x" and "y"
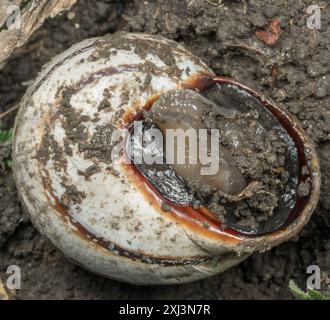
{"x": 102, "y": 213}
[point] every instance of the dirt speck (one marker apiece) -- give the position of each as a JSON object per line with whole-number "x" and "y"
{"x": 271, "y": 34}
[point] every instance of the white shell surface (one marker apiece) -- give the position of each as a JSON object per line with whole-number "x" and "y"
{"x": 102, "y": 221}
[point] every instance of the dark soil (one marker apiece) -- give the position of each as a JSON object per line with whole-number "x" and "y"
{"x": 294, "y": 71}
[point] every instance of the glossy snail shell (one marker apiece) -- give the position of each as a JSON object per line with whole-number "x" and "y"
{"x": 108, "y": 221}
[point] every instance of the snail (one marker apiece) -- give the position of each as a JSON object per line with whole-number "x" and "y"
{"x": 157, "y": 223}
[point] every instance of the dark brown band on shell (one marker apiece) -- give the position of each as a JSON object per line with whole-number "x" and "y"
{"x": 114, "y": 248}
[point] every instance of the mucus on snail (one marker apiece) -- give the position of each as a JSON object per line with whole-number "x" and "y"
{"x": 164, "y": 224}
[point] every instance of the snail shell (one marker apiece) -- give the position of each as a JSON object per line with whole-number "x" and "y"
{"x": 99, "y": 212}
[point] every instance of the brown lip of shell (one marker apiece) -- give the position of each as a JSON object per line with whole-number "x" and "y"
{"x": 196, "y": 220}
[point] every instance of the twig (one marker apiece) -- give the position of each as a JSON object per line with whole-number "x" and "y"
{"x": 247, "y": 192}
{"x": 244, "y": 6}
{"x": 3, "y": 292}
{"x": 215, "y": 4}
{"x": 10, "y": 110}
{"x": 31, "y": 17}
{"x": 243, "y": 46}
